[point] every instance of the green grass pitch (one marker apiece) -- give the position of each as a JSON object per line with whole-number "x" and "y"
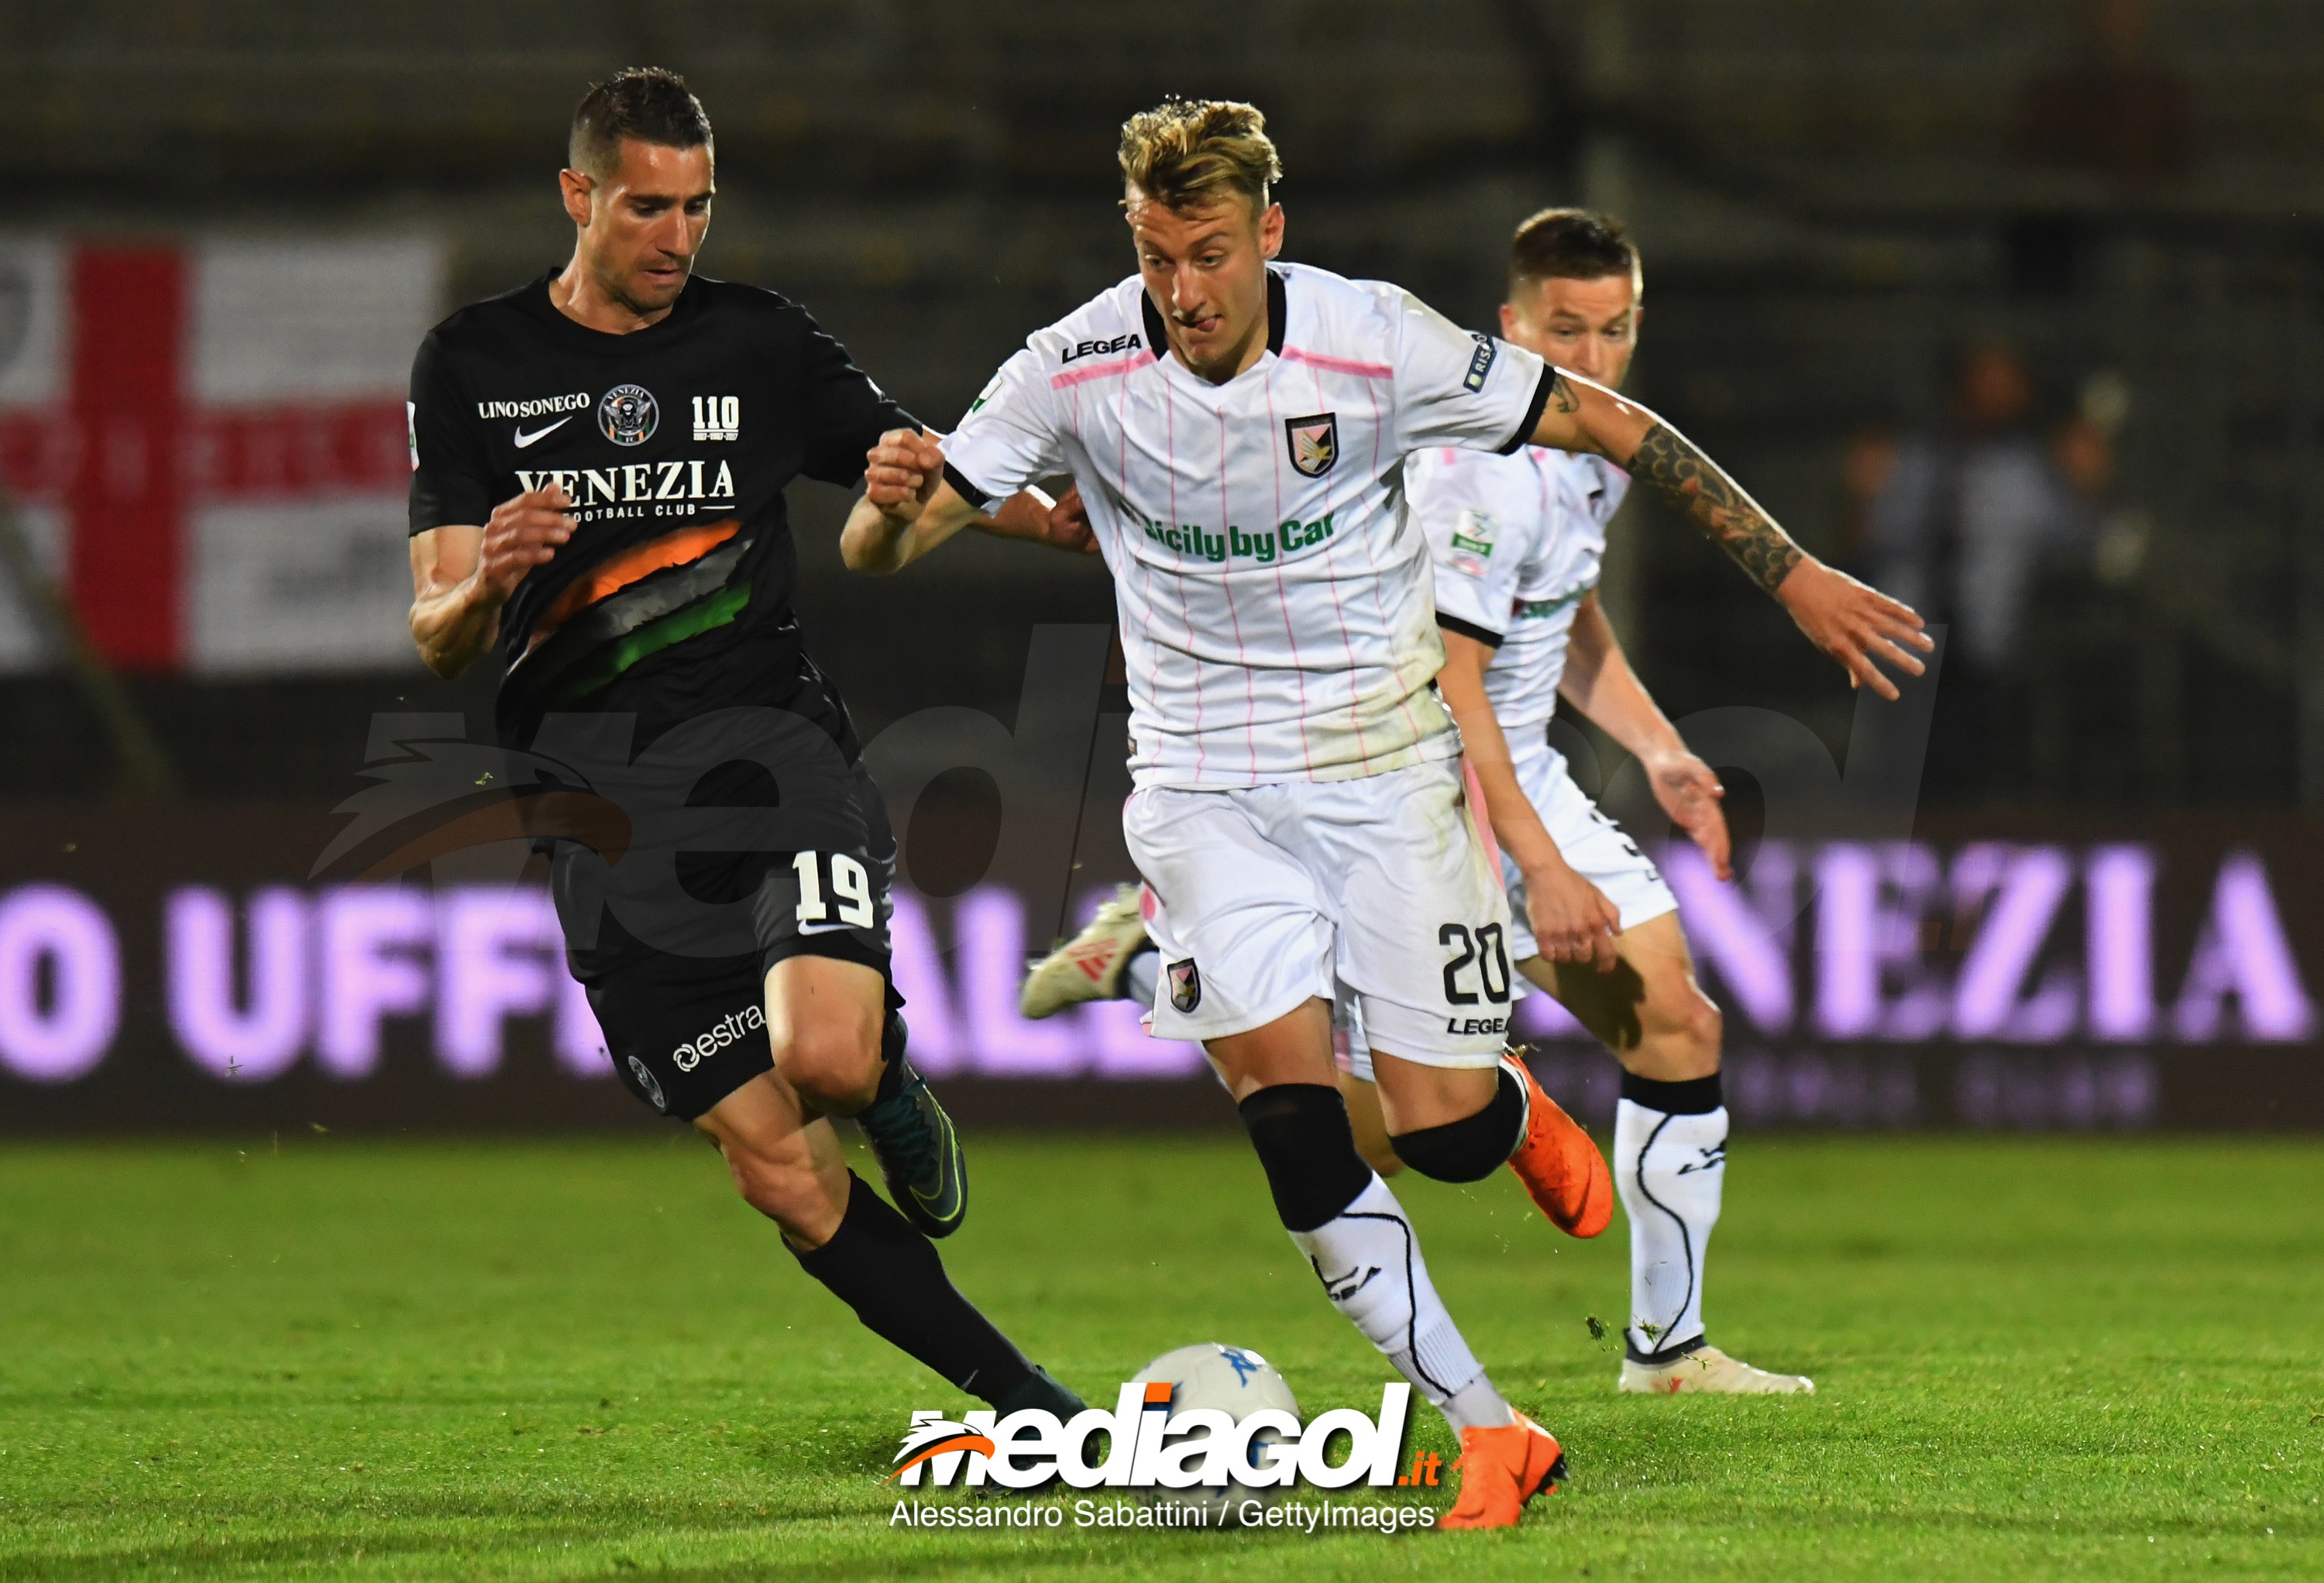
{"x": 587, "y": 1358}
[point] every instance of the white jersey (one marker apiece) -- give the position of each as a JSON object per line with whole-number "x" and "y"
{"x": 1517, "y": 541}
{"x": 1276, "y": 615}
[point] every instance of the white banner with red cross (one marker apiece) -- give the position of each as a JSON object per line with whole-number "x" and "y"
{"x": 206, "y": 440}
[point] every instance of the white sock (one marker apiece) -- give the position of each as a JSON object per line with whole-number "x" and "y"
{"x": 1368, "y": 1258}
{"x": 1670, "y": 1169}
{"x": 1140, "y": 974}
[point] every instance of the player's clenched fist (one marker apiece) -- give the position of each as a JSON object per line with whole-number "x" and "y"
{"x": 1069, "y": 525}
{"x": 521, "y": 534}
{"x": 900, "y": 473}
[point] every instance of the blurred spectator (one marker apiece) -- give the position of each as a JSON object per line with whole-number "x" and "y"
{"x": 2110, "y": 106}
{"x": 1956, "y": 529}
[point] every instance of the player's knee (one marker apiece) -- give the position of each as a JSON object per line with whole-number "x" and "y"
{"x": 1305, "y": 1146}
{"x": 832, "y": 1057}
{"x": 1473, "y": 1147}
{"x": 1695, "y": 1032}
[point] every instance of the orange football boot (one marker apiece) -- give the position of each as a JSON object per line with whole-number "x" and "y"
{"x": 1500, "y": 1470}
{"x": 1559, "y": 1164}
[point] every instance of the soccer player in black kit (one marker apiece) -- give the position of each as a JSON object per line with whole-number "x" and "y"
{"x": 599, "y": 464}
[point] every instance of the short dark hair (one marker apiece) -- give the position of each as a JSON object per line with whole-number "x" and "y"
{"x": 1572, "y": 244}
{"x": 642, "y": 102}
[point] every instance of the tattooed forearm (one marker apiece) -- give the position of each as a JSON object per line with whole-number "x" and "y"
{"x": 1668, "y": 464}
{"x": 1561, "y": 393}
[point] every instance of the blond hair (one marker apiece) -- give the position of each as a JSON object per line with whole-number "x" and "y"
{"x": 1184, "y": 153}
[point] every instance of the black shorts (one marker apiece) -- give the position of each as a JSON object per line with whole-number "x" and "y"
{"x": 686, "y": 1031}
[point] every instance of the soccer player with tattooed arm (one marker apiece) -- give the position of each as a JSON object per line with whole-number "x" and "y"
{"x": 630, "y": 574}
{"x": 1235, "y": 427}
{"x": 1518, "y": 540}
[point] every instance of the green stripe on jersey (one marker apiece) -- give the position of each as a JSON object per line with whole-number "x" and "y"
{"x": 691, "y": 621}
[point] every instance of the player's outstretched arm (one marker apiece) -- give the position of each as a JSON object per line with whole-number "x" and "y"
{"x": 1856, "y": 625}
{"x": 1570, "y": 916}
{"x": 462, "y": 575}
{"x": 1599, "y": 681}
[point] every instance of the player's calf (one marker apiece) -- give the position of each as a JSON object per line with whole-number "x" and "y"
{"x": 785, "y": 1180}
{"x": 1473, "y": 1146}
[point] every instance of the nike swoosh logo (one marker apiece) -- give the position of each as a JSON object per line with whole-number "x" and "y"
{"x": 524, "y": 439}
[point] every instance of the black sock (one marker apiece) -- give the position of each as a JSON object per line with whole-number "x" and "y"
{"x": 1307, "y": 1149}
{"x": 890, "y": 1275}
{"x": 1688, "y": 1095}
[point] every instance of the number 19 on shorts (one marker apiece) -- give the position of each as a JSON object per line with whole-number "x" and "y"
{"x": 836, "y": 875}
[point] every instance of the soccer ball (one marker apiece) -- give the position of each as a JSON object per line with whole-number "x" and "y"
{"x": 1238, "y": 1382}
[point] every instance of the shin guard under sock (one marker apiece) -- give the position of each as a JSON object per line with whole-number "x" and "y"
{"x": 1363, "y": 1250}
{"x": 1670, "y": 1164}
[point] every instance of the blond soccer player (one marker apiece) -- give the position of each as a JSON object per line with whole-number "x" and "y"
{"x": 1236, "y": 426}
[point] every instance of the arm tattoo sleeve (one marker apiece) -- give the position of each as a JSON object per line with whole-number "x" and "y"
{"x": 1668, "y": 464}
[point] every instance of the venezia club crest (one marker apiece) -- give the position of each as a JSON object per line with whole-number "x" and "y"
{"x": 628, "y": 415}
{"x": 1315, "y": 442}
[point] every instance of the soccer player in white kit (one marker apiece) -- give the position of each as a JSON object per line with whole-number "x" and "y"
{"x": 1236, "y": 428}
{"x": 1517, "y": 541}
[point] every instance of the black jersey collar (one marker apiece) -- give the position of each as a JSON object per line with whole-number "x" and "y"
{"x": 536, "y": 296}
{"x": 1277, "y": 310}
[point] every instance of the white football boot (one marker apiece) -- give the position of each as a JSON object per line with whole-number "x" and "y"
{"x": 1707, "y": 1368}
{"x": 1088, "y": 967}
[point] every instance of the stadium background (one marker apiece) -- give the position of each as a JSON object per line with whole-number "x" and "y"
{"x": 233, "y": 222}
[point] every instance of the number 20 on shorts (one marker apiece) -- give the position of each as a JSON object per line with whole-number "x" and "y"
{"x": 837, "y": 875}
{"x": 1484, "y": 950}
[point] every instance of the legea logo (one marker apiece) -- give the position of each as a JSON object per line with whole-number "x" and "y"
{"x": 1153, "y": 1448}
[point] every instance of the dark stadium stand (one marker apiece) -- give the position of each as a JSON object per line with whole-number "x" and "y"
{"x": 1828, "y": 195}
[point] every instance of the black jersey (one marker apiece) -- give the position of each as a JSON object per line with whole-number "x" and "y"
{"x": 675, "y": 442}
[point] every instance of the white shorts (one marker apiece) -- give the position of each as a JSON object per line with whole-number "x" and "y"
{"x": 1374, "y": 891}
{"x": 1593, "y": 845}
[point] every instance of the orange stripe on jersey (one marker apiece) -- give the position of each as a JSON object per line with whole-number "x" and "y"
{"x": 672, "y": 549}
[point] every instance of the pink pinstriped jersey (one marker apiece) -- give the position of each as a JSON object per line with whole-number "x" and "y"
{"x": 1276, "y": 598}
